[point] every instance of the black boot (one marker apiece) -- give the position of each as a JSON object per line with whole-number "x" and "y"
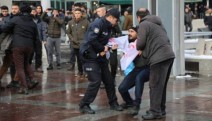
{"x": 50, "y": 67}
{"x": 86, "y": 109}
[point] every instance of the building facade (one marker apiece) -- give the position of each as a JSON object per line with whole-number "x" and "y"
{"x": 59, "y": 4}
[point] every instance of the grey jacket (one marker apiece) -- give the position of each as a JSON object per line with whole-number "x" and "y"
{"x": 153, "y": 40}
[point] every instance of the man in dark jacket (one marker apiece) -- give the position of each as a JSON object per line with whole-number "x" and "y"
{"x": 25, "y": 36}
{"x": 4, "y": 16}
{"x": 7, "y": 59}
{"x": 208, "y": 19}
{"x": 55, "y": 23}
{"x": 42, "y": 36}
{"x": 93, "y": 51}
{"x": 154, "y": 44}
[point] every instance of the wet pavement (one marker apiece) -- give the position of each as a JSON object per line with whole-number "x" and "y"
{"x": 58, "y": 94}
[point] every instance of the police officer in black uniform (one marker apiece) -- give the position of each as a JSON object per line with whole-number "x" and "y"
{"x": 93, "y": 52}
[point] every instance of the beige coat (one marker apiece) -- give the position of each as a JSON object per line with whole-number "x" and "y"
{"x": 128, "y": 22}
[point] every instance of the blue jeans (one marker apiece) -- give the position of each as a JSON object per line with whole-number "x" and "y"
{"x": 137, "y": 77}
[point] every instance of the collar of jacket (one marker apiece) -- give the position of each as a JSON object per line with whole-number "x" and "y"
{"x": 77, "y": 20}
{"x": 37, "y": 18}
{"x": 106, "y": 22}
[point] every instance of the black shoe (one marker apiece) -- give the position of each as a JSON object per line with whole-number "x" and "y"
{"x": 59, "y": 66}
{"x": 135, "y": 110}
{"x": 126, "y": 105}
{"x": 116, "y": 107}
{"x": 23, "y": 91}
{"x": 32, "y": 84}
{"x": 50, "y": 67}
{"x": 13, "y": 84}
{"x": 163, "y": 113}
{"x": 71, "y": 67}
{"x": 151, "y": 116}
{"x": 86, "y": 109}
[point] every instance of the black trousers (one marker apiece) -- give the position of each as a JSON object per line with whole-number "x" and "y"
{"x": 98, "y": 72}
{"x": 79, "y": 62}
{"x": 159, "y": 76}
{"x": 113, "y": 63}
{"x": 188, "y": 25}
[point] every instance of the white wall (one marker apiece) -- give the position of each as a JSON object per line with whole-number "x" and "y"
{"x": 7, "y": 3}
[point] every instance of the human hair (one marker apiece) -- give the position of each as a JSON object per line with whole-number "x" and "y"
{"x": 15, "y": 4}
{"x": 78, "y": 5}
{"x": 56, "y": 10}
{"x": 41, "y": 8}
{"x": 142, "y": 12}
{"x": 4, "y": 7}
{"x": 78, "y": 9}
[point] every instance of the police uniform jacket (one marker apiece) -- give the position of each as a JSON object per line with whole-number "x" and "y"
{"x": 96, "y": 38}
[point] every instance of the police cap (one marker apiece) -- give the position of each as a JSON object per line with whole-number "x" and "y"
{"x": 114, "y": 12}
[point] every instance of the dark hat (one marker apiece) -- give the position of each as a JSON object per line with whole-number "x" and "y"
{"x": 134, "y": 28}
{"x": 129, "y": 9}
{"x": 114, "y": 12}
{"x": 26, "y": 9}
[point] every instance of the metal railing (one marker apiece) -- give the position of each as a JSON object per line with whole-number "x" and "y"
{"x": 197, "y": 34}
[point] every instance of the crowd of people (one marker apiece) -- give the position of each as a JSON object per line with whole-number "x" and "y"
{"x": 27, "y": 28}
{"x": 198, "y": 11}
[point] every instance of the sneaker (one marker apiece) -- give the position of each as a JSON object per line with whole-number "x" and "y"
{"x": 13, "y": 84}
{"x": 23, "y": 91}
{"x": 39, "y": 70}
{"x": 86, "y": 109}
{"x": 32, "y": 84}
{"x": 50, "y": 67}
{"x": 116, "y": 107}
{"x": 126, "y": 105}
{"x": 58, "y": 66}
{"x": 135, "y": 110}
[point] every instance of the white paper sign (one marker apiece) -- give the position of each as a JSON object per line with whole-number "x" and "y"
{"x": 129, "y": 49}
{"x": 129, "y": 55}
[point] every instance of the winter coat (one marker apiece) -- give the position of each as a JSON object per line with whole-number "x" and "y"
{"x": 153, "y": 40}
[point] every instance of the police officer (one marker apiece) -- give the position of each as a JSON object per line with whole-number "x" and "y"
{"x": 93, "y": 51}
